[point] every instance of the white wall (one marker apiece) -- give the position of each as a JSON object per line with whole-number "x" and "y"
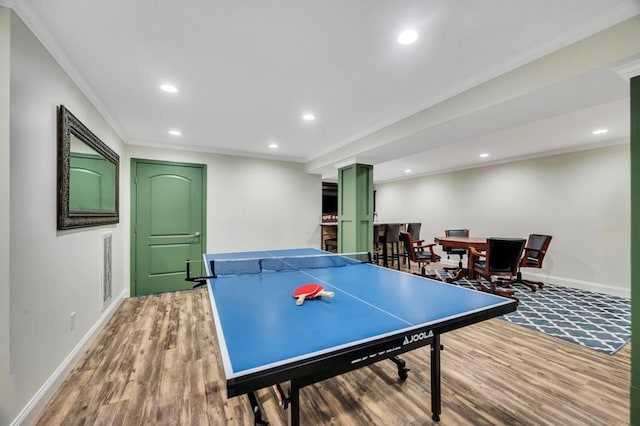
{"x": 581, "y": 199}
{"x": 52, "y": 273}
{"x": 252, "y": 204}
{"x": 5, "y": 387}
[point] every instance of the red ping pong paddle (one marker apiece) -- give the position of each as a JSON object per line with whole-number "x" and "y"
{"x": 309, "y": 291}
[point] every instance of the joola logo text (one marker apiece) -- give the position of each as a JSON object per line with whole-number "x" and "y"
{"x": 417, "y": 337}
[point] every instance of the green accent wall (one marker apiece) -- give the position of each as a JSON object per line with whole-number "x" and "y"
{"x": 635, "y": 251}
{"x": 355, "y": 208}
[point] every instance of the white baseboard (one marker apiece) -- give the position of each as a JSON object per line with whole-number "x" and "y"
{"x": 31, "y": 411}
{"x": 565, "y": 282}
{"x": 582, "y": 285}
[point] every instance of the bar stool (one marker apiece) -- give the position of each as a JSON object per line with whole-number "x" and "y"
{"x": 392, "y": 241}
{"x": 331, "y": 244}
{"x": 377, "y": 254}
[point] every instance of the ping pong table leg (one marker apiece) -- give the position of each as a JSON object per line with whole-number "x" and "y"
{"x": 436, "y": 391}
{"x": 257, "y": 413}
{"x": 294, "y": 403}
{"x": 403, "y": 371}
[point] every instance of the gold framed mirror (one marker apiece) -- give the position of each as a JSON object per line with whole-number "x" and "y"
{"x": 88, "y": 176}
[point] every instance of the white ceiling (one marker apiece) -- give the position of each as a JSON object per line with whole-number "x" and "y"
{"x": 248, "y": 70}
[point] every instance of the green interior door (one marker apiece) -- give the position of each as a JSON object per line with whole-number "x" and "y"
{"x": 168, "y": 228}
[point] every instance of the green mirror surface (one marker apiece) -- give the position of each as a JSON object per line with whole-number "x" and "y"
{"x": 91, "y": 180}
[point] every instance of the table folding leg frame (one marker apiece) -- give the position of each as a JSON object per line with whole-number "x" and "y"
{"x": 292, "y": 402}
{"x": 257, "y": 412}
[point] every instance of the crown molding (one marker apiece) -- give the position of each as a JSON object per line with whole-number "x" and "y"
{"x": 629, "y": 70}
{"x": 41, "y": 32}
{"x": 139, "y": 143}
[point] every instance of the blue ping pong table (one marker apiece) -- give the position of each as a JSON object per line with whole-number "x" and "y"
{"x": 265, "y": 339}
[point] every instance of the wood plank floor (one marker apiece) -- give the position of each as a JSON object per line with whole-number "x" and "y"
{"x": 157, "y": 362}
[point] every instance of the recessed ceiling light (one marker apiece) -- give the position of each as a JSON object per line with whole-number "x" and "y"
{"x": 600, "y": 131}
{"x": 408, "y": 37}
{"x": 273, "y": 145}
{"x": 309, "y": 117}
{"x": 169, "y": 88}
{"x": 407, "y": 170}
{"x": 175, "y": 132}
{"x": 484, "y": 155}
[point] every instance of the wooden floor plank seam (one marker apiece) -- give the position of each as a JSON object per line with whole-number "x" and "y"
{"x": 157, "y": 362}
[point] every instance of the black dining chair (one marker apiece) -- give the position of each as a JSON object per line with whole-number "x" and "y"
{"x": 533, "y": 256}
{"x": 455, "y": 251}
{"x": 421, "y": 254}
{"x": 414, "y": 230}
{"x": 501, "y": 258}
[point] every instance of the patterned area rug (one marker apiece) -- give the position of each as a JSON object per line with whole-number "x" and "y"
{"x": 593, "y": 320}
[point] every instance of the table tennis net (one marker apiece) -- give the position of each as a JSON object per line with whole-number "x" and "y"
{"x": 223, "y": 267}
